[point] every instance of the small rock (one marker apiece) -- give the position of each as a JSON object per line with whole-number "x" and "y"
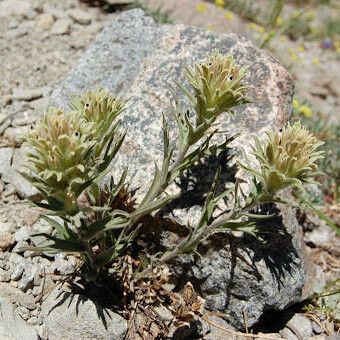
{"x": 2, "y": 188}
{"x": 7, "y": 99}
{"x": 320, "y": 236}
{"x": 79, "y": 40}
{"x": 23, "y": 312}
{"x": 5, "y": 275}
{"x": 216, "y": 332}
{"x": 79, "y": 16}
{"x": 286, "y": 333}
{"x": 10, "y": 8}
{"x": 45, "y": 21}
{"x": 302, "y": 324}
{"x": 61, "y": 27}
{"x": 164, "y": 313}
{"x": 28, "y": 94}
{"x": 23, "y": 234}
{"x": 19, "y": 248}
{"x": 62, "y": 267}
{"x": 16, "y": 135}
{"x": 17, "y": 33}
{"x": 316, "y": 328}
{"x": 79, "y": 318}
{"x": 17, "y": 273}
{"x": 22, "y": 187}
{"x": 16, "y": 296}
{"x": 12, "y": 327}
{"x": 6, "y": 155}
{"x": 6, "y": 240}
{"x": 8, "y": 226}
{"x": 27, "y": 281}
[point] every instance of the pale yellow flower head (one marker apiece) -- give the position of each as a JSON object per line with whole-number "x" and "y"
{"x": 288, "y": 158}
{"x": 218, "y": 86}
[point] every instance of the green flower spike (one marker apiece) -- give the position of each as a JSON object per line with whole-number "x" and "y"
{"x": 60, "y": 162}
{"x": 101, "y": 109}
{"x": 288, "y": 158}
{"x": 217, "y": 85}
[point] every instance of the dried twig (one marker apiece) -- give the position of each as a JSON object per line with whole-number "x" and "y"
{"x": 230, "y": 331}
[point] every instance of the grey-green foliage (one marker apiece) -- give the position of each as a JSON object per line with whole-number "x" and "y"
{"x": 72, "y": 151}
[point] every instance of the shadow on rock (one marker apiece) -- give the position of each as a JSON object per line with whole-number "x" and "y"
{"x": 196, "y": 182}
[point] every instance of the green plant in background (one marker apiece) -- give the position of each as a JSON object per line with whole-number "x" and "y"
{"x": 72, "y": 151}
{"x": 160, "y": 16}
{"x": 328, "y": 132}
{"x": 326, "y": 302}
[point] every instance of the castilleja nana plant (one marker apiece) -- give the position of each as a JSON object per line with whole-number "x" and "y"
{"x": 70, "y": 152}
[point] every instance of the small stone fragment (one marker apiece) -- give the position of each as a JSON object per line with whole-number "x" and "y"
{"x": 61, "y": 27}
{"x": 302, "y": 324}
{"x": 79, "y": 16}
{"x": 6, "y": 155}
{"x": 23, "y": 234}
{"x": 17, "y": 33}
{"x": 6, "y": 240}
{"x": 16, "y": 296}
{"x": 10, "y": 8}
{"x": 5, "y": 275}
{"x": 45, "y": 21}
{"x": 27, "y": 281}
{"x": 18, "y": 270}
{"x": 16, "y": 135}
{"x": 28, "y": 94}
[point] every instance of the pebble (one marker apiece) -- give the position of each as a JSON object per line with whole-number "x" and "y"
{"x": 23, "y": 312}
{"x": 286, "y": 333}
{"x": 19, "y": 248}
{"x": 7, "y": 99}
{"x": 27, "y": 281}
{"x": 17, "y": 33}
{"x": 23, "y": 234}
{"x": 316, "y": 328}
{"x": 79, "y": 16}
{"x": 16, "y": 296}
{"x": 16, "y": 135}
{"x": 5, "y": 275}
{"x": 320, "y": 236}
{"x": 10, "y": 8}
{"x": 18, "y": 271}
{"x": 61, "y": 27}
{"x": 45, "y": 21}
{"x": 6, "y": 240}
{"x": 302, "y": 324}
{"x": 6, "y": 155}
{"x": 7, "y": 226}
{"x": 23, "y": 94}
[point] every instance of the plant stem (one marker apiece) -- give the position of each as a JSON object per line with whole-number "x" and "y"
{"x": 192, "y": 241}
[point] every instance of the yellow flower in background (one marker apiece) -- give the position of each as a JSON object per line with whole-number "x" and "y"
{"x": 296, "y": 104}
{"x": 316, "y": 61}
{"x": 301, "y": 49}
{"x": 337, "y": 46}
{"x": 294, "y": 56}
{"x": 310, "y": 15}
{"x": 201, "y": 7}
{"x": 219, "y": 3}
{"x": 229, "y": 15}
{"x": 306, "y": 111}
{"x": 255, "y": 27}
{"x": 279, "y": 21}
